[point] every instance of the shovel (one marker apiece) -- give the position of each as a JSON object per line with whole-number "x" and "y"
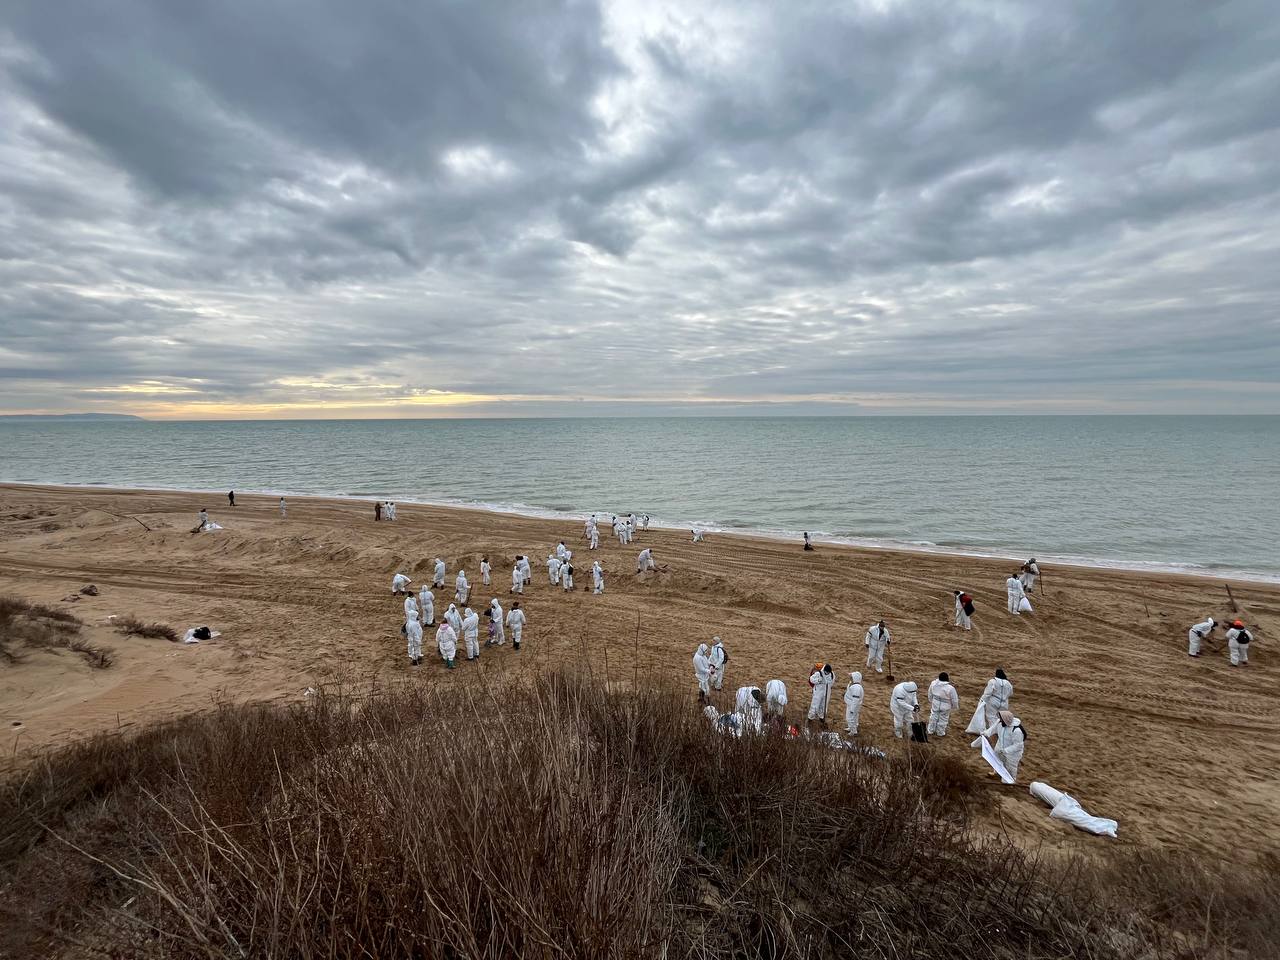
{"x": 888, "y": 655}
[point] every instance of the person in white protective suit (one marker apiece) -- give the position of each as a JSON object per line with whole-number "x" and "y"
{"x": 963, "y": 618}
{"x": 597, "y": 578}
{"x": 853, "y": 702}
{"x": 566, "y": 576}
{"x": 644, "y": 562}
{"x": 1030, "y": 571}
{"x": 437, "y": 577}
{"x": 553, "y": 569}
{"x": 877, "y": 641}
{"x": 718, "y": 660}
{"x": 697, "y": 535}
{"x": 942, "y": 700}
{"x": 517, "y": 578}
{"x": 775, "y": 696}
{"x": 499, "y": 631}
{"x": 427, "y": 606}
{"x": 461, "y": 588}
{"x": 485, "y": 571}
{"x": 821, "y": 680}
{"x": 1013, "y": 586}
{"x": 284, "y": 509}
{"x": 471, "y": 632}
{"x": 447, "y": 642}
{"x": 996, "y": 696}
{"x": 410, "y": 607}
{"x": 644, "y": 522}
{"x": 454, "y": 619}
{"x": 1238, "y": 640}
{"x": 1198, "y": 634}
{"x": 702, "y": 670}
{"x": 620, "y": 531}
{"x": 413, "y": 632}
{"x": 515, "y": 623}
{"x": 1011, "y": 741}
{"x": 749, "y": 705}
{"x": 593, "y": 537}
{"x": 904, "y": 705}
{"x": 399, "y": 584}
{"x": 526, "y": 570}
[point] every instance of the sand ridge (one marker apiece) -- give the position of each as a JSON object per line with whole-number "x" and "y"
{"x": 1182, "y": 752}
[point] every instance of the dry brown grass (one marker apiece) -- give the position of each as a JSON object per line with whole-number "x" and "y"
{"x": 133, "y": 627}
{"x": 549, "y": 820}
{"x": 32, "y": 626}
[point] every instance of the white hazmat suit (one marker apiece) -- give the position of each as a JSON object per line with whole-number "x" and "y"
{"x": 775, "y": 696}
{"x": 1011, "y": 741}
{"x": 903, "y": 704}
{"x": 427, "y": 606}
{"x": 485, "y": 570}
{"x": 1238, "y": 640}
{"x": 1013, "y": 586}
{"x": 437, "y": 578}
{"x": 517, "y": 580}
{"x": 553, "y": 570}
{"x": 462, "y": 589}
{"x": 995, "y": 698}
{"x": 515, "y": 623}
{"x": 821, "y": 680}
{"x": 1196, "y": 635}
{"x": 877, "y": 641}
{"x": 597, "y": 577}
{"x": 499, "y": 631}
{"x": 447, "y": 642}
{"x": 962, "y": 618}
{"x": 399, "y": 583}
{"x": 410, "y": 607}
{"x": 471, "y": 633}
{"x": 413, "y": 631}
{"x": 853, "y": 702}
{"x": 749, "y": 709}
{"x": 942, "y": 700}
{"x": 702, "y": 669}
{"x": 644, "y": 561}
{"x": 718, "y": 660}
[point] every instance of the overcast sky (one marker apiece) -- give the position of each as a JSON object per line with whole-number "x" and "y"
{"x": 407, "y": 208}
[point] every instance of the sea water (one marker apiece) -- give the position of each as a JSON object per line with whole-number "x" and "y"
{"x": 1190, "y": 493}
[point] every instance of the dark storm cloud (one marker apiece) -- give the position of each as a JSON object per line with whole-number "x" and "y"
{"x": 900, "y": 205}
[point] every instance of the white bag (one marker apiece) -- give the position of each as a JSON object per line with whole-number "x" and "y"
{"x": 979, "y": 721}
{"x": 1024, "y": 606}
{"x": 1066, "y": 807}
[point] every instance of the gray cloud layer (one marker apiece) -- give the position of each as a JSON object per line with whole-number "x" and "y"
{"x": 937, "y": 206}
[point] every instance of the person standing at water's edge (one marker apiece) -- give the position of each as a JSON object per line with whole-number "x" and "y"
{"x": 231, "y": 498}
{"x": 808, "y": 544}
{"x": 284, "y": 509}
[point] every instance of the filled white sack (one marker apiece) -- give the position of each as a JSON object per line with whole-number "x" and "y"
{"x": 979, "y": 721}
{"x": 1066, "y": 807}
{"x": 1024, "y": 606}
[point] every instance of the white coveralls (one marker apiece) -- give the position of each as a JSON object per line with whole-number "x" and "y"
{"x": 702, "y": 669}
{"x": 718, "y": 660}
{"x": 447, "y": 642}
{"x": 561, "y": 551}
{"x": 1238, "y": 645}
{"x": 517, "y": 580}
{"x": 822, "y": 682}
{"x": 499, "y": 633}
{"x": 410, "y": 607}
{"x": 1196, "y": 635}
{"x": 1011, "y": 741}
{"x": 597, "y": 577}
{"x": 996, "y": 698}
{"x": 853, "y": 702}
{"x": 877, "y": 641}
{"x": 515, "y": 623}
{"x": 962, "y": 618}
{"x": 427, "y": 604}
{"x": 775, "y": 697}
{"x": 462, "y": 589}
{"x": 413, "y": 631}
{"x": 747, "y": 707}
{"x": 942, "y": 700}
{"x": 697, "y": 536}
{"x": 903, "y": 704}
{"x": 644, "y": 562}
{"x": 437, "y": 579}
{"x": 284, "y": 509}
{"x": 1028, "y": 577}
{"x": 399, "y": 584}
{"x": 454, "y": 619}
{"x": 553, "y": 570}
{"x": 485, "y": 570}
{"x": 566, "y": 575}
{"x": 595, "y": 537}
{"x": 526, "y": 570}
{"x": 1014, "y": 588}
{"x": 471, "y": 633}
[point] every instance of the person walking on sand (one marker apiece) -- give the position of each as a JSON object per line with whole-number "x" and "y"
{"x": 775, "y": 695}
{"x": 231, "y": 498}
{"x": 553, "y": 569}
{"x": 566, "y": 576}
{"x": 964, "y": 610}
{"x": 1198, "y": 634}
{"x": 526, "y": 569}
{"x": 437, "y": 576}
{"x": 808, "y": 544}
{"x": 410, "y": 605}
{"x": 485, "y": 570}
{"x": 718, "y": 660}
{"x": 284, "y": 509}
{"x": 462, "y": 588}
{"x": 471, "y": 632}
{"x": 413, "y": 632}
{"x": 1238, "y": 640}
{"x": 597, "y": 578}
{"x": 821, "y": 680}
{"x": 904, "y": 705}
{"x": 942, "y": 700}
{"x": 447, "y": 643}
{"x": 1027, "y": 577}
{"x": 427, "y": 604}
{"x": 1013, "y": 586}
{"x": 515, "y": 623}
{"x": 399, "y": 584}
{"x": 517, "y": 578}
{"x": 853, "y": 703}
{"x": 644, "y": 562}
{"x": 377, "y": 510}
{"x": 877, "y": 642}
{"x": 593, "y": 538}
{"x": 1011, "y": 741}
{"x": 703, "y": 671}
{"x": 495, "y": 611}
{"x": 996, "y": 696}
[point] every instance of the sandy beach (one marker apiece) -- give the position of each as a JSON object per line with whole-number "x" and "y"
{"x": 1181, "y": 752}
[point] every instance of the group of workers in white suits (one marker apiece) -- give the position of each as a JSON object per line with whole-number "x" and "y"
{"x": 459, "y": 623}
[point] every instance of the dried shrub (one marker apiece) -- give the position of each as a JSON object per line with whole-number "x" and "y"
{"x": 133, "y": 627}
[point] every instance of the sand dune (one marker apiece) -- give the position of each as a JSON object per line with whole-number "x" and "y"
{"x": 1181, "y": 752}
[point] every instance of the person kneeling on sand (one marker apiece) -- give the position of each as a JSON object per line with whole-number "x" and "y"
{"x": 515, "y": 623}
{"x": 447, "y": 641}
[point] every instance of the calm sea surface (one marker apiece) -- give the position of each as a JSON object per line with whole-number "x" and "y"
{"x": 1166, "y": 492}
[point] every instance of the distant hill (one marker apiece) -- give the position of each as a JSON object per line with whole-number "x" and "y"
{"x": 12, "y": 417}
